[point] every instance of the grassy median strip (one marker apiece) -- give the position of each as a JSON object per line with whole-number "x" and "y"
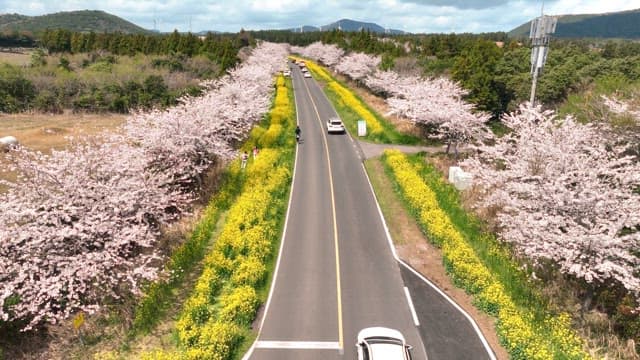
{"x": 526, "y": 332}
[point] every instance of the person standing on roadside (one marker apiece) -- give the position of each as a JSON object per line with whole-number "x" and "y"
{"x": 255, "y": 152}
{"x": 245, "y": 157}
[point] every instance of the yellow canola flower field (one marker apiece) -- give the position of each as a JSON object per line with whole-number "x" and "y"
{"x": 217, "y": 315}
{"x": 516, "y": 327}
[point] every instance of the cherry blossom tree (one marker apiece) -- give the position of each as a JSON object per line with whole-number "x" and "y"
{"x": 81, "y": 225}
{"x": 327, "y": 54}
{"x": 78, "y": 225}
{"x": 565, "y": 193}
{"x": 434, "y": 102}
{"x": 621, "y": 107}
{"x": 357, "y": 66}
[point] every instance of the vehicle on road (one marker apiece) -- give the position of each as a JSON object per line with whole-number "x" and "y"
{"x": 306, "y": 74}
{"x": 381, "y": 343}
{"x": 286, "y": 73}
{"x": 335, "y": 125}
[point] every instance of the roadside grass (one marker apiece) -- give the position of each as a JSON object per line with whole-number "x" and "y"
{"x": 352, "y": 109}
{"x": 528, "y": 327}
{"x": 186, "y": 259}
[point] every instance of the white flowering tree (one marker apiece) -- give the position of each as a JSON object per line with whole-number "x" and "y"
{"x": 436, "y": 103}
{"x": 357, "y": 66}
{"x": 81, "y": 225}
{"x": 327, "y": 54}
{"x": 565, "y": 194}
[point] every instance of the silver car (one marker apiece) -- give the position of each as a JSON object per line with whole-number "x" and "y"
{"x": 381, "y": 343}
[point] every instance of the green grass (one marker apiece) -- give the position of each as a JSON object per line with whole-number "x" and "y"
{"x": 159, "y": 296}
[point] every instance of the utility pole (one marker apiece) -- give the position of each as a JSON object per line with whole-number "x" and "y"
{"x": 541, "y": 29}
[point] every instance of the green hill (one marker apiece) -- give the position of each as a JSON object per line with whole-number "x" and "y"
{"x": 623, "y": 25}
{"x": 77, "y": 21}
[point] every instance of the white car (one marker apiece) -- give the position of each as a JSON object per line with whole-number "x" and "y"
{"x": 382, "y": 343}
{"x": 306, "y": 74}
{"x": 335, "y": 125}
{"x": 286, "y": 73}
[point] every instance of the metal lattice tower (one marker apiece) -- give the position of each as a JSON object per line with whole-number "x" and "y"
{"x": 541, "y": 29}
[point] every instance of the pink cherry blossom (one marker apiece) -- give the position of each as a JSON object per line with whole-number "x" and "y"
{"x": 565, "y": 193}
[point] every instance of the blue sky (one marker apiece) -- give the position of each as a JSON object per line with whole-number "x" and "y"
{"x": 417, "y": 16}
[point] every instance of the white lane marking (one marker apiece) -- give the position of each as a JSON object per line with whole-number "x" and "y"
{"x": 484, "y": 341}
{"x": 312, "y": 345}
{"x": 413, "y": 309}
{"x": 492, "y": 356}
{"x": 249, "y": 352}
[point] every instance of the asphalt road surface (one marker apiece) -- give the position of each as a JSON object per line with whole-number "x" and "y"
{"x": 336, "y": 272}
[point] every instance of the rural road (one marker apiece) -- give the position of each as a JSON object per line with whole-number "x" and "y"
{"x": 337, "y": 272}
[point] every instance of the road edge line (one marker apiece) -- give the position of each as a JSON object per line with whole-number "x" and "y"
{"x": 475, "y": 326}
{"x": 249, "y": 352}
{"x": 416, "y": 321}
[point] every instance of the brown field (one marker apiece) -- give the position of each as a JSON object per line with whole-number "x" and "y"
{"x": 41, "y": 132}
{"x": 20, "y": 59}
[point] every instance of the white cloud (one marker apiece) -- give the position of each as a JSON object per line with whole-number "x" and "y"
{"x": 417, "y": 16}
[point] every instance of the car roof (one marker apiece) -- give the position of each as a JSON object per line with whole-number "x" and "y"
{"x": 387, "y": 351}
{"x": 379, "y": 331}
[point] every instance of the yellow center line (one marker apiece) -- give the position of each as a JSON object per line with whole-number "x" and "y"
{"x": 335, "y": 222}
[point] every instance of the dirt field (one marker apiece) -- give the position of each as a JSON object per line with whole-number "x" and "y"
{"x": 12, "y": 58}
{"x": 43, "y": 132}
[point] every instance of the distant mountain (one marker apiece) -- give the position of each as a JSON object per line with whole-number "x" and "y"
{"x": 349, "y": 25}
{"x": 77, "y": 21}
{"x": 622, "y": 24}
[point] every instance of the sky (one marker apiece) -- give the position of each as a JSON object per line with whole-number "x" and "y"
{"x": 416, "y": 16}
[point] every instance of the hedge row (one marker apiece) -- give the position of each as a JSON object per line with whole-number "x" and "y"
{"x": 523, "y": 334}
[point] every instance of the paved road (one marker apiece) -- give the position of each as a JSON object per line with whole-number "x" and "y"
{"x": 337, "y": 273}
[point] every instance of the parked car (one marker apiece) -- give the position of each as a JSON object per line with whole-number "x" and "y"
{"x": 286, "y": 73}
{"x": 335, "y": 125}
{"x": 382, "y": 343}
